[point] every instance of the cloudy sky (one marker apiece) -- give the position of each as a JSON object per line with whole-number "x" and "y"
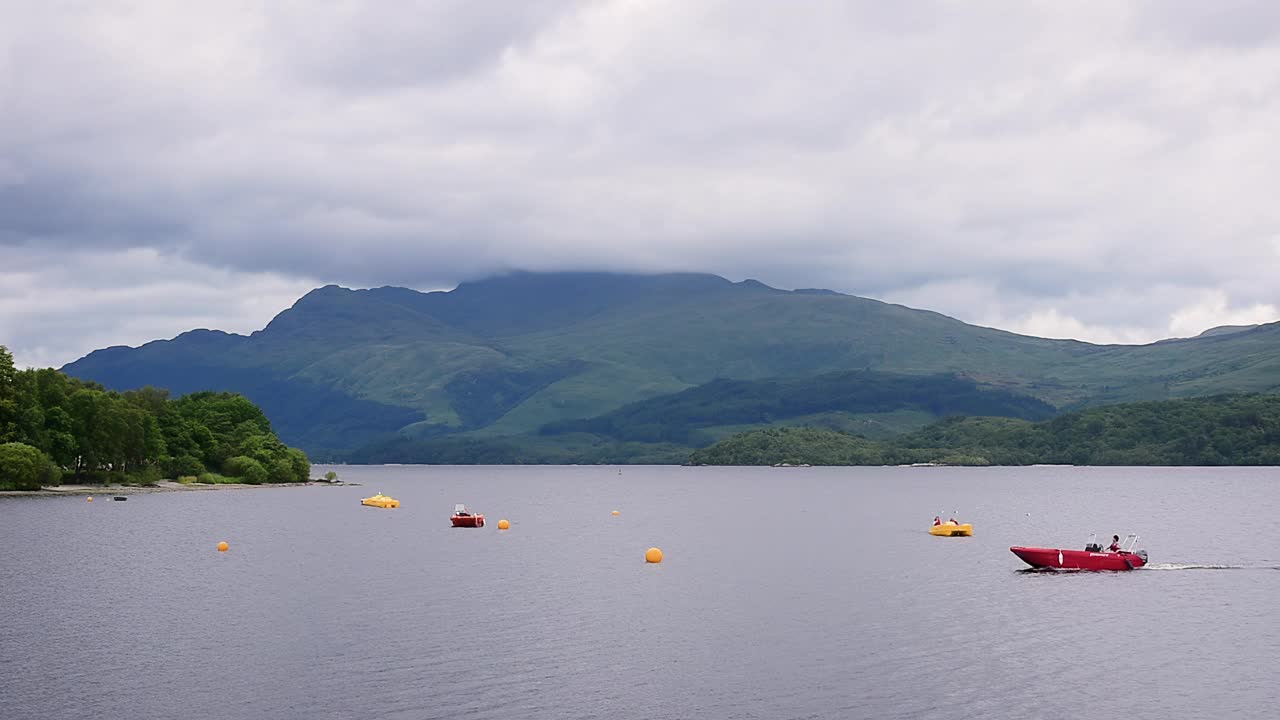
{"x": 1100, "y": 170}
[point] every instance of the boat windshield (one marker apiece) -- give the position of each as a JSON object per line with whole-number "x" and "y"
{"x": 460, "y": 509}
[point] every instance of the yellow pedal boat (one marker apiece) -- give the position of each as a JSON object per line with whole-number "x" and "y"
{"x": 381, "y": 501}
{"x": 952, "y": 530}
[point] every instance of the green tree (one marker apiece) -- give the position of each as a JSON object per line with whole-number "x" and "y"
{"x": 8, "y": 397}
{"x": 300, "y": 464}
{"x": 62, "y": 441}
{"x": 92, "y": 427}
{"x": 185, "y": 465}
{"x": 151, "y": 399}
{"x": 23, "y": 467}
{"x": 247, "y": 469}
{"x": 280, "y": 471}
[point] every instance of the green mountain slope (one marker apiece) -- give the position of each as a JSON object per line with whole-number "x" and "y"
{"x": 677, "y": 418}
{"x": 667, "y": 428}
{"x": 508, "y": 355}
{"x": 1225, "y": 330}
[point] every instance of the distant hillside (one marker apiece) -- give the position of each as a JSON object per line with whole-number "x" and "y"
{"x": 320, "y": 418}
{"x": 509, "y": 355}
{"x": 665, "y": 429}
{"x": 528, "y": 449}
{"x": 1223, "y": 430}
{"x": 677, "y": 418}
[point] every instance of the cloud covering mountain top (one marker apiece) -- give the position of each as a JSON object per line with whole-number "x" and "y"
{"x": 1098, "y": 171}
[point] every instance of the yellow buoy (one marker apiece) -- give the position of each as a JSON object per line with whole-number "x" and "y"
{"x": 223, "y": 546}
{"x": 89, "y": 499}
{"x": 653, "y": 555}
{"x": 503, "y": 524}
{"x": 615, "y": 512}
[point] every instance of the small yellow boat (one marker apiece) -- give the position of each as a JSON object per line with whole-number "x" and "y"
{"x": 950, "y": 529}
{"x": 381, "y": 501}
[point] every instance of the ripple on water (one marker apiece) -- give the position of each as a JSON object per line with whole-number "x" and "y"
{"x": 809, "y": 593}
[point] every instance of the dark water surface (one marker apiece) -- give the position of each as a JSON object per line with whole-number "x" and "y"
{"x": 785, "y": 593}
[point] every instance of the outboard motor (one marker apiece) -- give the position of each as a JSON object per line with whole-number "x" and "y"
{"x": 1093, "y": 547}
{"x": 1142, "y": 554}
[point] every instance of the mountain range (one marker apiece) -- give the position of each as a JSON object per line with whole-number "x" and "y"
{"x": 547, "y": 355}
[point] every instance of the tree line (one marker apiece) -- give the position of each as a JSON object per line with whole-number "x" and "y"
{"x": 1220, "y": 430}
{"x": 54, "y": 428}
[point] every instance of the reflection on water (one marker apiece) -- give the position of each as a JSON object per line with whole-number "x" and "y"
{"x": 1192, "y": 566}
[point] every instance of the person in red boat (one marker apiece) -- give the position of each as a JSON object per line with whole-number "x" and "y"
{"x": 937, "y": 519}
{"x": 1115, "y": 544}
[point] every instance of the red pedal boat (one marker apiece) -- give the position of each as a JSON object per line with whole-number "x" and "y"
{"x": 1091, "y": 558}
{"x": 462, "y": 517}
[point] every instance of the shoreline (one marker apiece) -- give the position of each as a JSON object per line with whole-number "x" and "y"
{"x": 160, "y": 487}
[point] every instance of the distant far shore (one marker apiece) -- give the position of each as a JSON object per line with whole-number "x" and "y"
{"x": 162, "y": 486}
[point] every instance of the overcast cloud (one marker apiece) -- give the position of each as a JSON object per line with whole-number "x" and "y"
{"x": 1098, "y": 170}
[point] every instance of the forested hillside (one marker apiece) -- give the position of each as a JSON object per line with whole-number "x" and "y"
{"x": 1223, "y": 430}
{"x": 676, "y": 418}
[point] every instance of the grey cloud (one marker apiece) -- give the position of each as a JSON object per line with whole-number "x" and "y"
{"x": 370, "y": 47}
{"x": 1048, "y": 153}
{"x": 56, "y": 307}
{"x": 1221, "y": 24}
{"x": 75, "y": 210}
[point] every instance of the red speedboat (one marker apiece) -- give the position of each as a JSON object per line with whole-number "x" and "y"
{"x": 1091, "y": 558}
{"x": 462, "y": 517}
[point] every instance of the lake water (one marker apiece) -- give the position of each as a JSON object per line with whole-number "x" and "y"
{"x": 785, "y": 593}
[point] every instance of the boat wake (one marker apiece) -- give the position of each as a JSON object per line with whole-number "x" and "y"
{"x": 1197, "y": 566}
{"x": 1153, "y": 566}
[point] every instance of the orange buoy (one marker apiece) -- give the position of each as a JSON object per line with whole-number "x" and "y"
{"x": 653, "y": 555}
{"x": 615, "y": 512}
{"x": 503, "y": 524}
{"x": 89, "y": 499}
{"x": 223, "y": 546}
